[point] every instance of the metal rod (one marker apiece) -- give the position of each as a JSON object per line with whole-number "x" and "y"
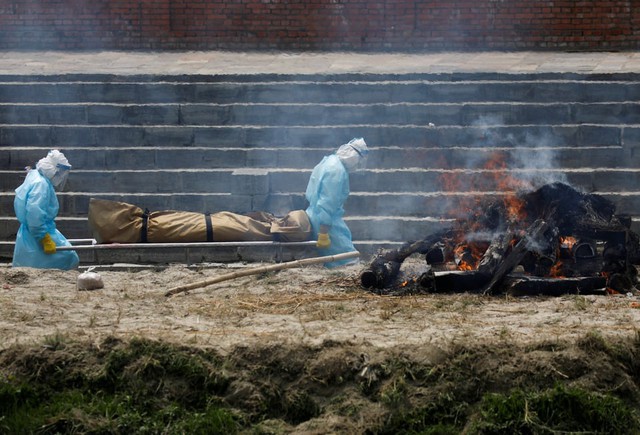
{"x": 112, "y": 246}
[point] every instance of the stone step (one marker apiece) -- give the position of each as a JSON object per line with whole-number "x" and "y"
{"x": 364, "y": 228}
{"x": 381, "y": 157}
{"x": 354, "y": 89}
{"x": 498, "y": 135}
{"x": 271, "y": 180}
{"x": 372, "y": 230}
{"x": 406, "y": 205}
{"x": 246, "y": 143}
{"x": 258, "y": 115}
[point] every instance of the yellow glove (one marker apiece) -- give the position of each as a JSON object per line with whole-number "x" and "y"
{"x": 323, "y": 241}
{"x": 48, "y": 244}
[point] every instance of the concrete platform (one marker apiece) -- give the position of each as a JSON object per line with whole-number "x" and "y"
{"x": 223, "y": 62}
{"x": 608, "y": 146}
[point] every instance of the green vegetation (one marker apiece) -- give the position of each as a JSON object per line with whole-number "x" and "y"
{"x": 149, "y": 387}
{"x": 145, "y": 387}
{"x": 558, "y": 410}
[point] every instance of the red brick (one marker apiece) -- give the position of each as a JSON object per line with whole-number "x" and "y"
{"x": 389, "y": 24}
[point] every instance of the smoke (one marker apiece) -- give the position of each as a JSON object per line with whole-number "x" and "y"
{"x": 537, "y": 161}
{"x": 531, "y": 159}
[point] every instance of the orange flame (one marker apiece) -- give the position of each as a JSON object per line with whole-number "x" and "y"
{"x": 556, "y": 271}
{"x": 468, "y": 255}
{"x": 567, "y": 242}
{"x": 494, "y": 175}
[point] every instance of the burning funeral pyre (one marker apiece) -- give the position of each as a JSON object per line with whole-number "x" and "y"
{"x": 552, "y": 240}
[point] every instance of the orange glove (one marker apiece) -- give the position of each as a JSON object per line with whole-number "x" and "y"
{"x": 48, "y": 244}
{"x": 323, "y": 241}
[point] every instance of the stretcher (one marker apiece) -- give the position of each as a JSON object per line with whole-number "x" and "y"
{"x": 92, "y": 245}
{"x": 91, "y": 251}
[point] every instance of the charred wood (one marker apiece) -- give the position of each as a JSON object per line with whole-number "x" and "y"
{"x": 614, "y": 257}
{"x": 545, "y": 251}
{"x": 517, "y": 253}
{"x": 584, "y": 249}
{"x": 439, "y": 253}
{"x": 620, "y": 282}
{"x": 581, "y": 267}
{"x": 633, "y": 247}
{"x": 384, "y": 268}
{"x": 459, "y": 281}
{"x": 427, "y": 280}
{"x": 495, "y": 253}
{"x": 463, "y": 257}
{"x": 595, "y": 243}
{"x": 533, "y": 286}
{"x": 570, "y": 210}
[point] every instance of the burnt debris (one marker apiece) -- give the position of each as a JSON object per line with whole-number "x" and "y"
{"x": 553, "y": 240}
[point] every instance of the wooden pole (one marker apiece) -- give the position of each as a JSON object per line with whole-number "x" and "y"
{"x": 262, "y": 269}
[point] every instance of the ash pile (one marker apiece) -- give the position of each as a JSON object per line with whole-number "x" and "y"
{"x": 550, "y": 241}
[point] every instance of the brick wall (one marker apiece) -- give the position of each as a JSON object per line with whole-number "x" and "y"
{"x": 320, "y": 24}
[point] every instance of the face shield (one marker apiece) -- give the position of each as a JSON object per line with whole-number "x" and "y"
{"x": 59, "y": 180}
{"x": 55, "y": 167}
{"x": 353, "y": 154}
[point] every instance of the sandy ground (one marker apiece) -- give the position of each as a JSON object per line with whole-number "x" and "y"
{"x": 309, "y": 305}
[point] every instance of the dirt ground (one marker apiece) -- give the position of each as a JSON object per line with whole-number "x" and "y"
{"x": 307, "y": 305}
{"x": 255, "y": 317}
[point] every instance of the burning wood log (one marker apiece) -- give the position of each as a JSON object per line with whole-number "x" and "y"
{"x": 468, "y": 280}
{"x": 495, "y": 253}
{"x": 384, "y": 268}
{"x": 620, "y": 282}
{"x": 513, "y": 258}
{"x": 552, "y": 232}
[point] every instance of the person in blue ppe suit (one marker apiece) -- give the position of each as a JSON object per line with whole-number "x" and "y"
{"x": 327, "y": 191}
{"x": 36, "y": 206}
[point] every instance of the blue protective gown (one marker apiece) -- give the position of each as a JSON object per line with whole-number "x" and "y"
{"x": 327, "y": 191}
{"x": 36, "y": 207}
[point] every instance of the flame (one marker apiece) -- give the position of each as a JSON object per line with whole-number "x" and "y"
{"x": 507, "y": 183}
{"x": 568, "y": 242}
{"x": 468, "y": 255}
{"x": 493, "y": 176}
{"x": 556, "y": 271}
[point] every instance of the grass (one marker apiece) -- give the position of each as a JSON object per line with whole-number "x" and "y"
{"x": 558, "y": 410}
{"x": 25, "y": 410}
{"x": 144, "y": 386}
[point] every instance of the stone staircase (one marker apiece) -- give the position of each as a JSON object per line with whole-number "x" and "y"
{"x": 245, "y": 143}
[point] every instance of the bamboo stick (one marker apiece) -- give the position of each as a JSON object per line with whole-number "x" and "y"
{"x": 262, "y": 269}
